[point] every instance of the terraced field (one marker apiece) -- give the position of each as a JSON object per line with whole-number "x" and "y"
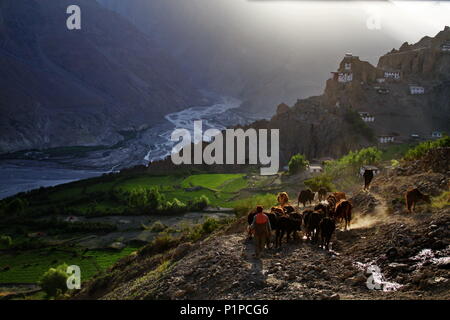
{"x": 29, "y": 266}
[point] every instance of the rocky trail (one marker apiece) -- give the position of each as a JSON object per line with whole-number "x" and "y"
{"x": 223, "y": 266}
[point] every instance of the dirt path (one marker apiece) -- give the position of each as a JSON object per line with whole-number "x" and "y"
{"x": 223, "y": 266}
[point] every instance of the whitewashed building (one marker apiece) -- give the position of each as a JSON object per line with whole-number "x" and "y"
{"x": 445, "y": 47}
{"x": 392, "y": 75}
{"x": 415, "y": 89}
{"x": 436, "y": 134}
{"x": 344, "y": 77}
{"x": 386, "y": 139}
{"x": 381, "y": 80}
{"x": 315, "y": 168}
{"x": 366, "y": 117}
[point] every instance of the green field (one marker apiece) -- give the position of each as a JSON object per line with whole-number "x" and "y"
{"x": 29, "y": 266}
{"x": 97, "y": 195}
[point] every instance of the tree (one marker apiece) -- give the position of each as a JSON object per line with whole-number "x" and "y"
{"x": 54, "y": 281}
{"x": 297, "y": 163}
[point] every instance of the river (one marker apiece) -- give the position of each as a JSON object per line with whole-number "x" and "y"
{"x": 24, "y": 175}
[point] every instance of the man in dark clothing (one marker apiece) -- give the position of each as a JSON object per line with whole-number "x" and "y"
{"x": 368, "y": 176}
{"x": 262, "y": 229}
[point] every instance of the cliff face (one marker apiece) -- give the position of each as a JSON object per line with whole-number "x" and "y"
{"x": 327, "y": 125}
{"x": 422, "y": 60}
{"x": 61, "y": 87}
{"x": 313, "y": 128}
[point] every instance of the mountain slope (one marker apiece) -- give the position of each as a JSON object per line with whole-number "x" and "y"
{"x": 61, "y": 87}
{"x": 411, "y": 251}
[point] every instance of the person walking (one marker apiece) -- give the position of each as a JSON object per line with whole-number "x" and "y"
{"x": 262, "y": 230}
{"x": 368, "y": 176}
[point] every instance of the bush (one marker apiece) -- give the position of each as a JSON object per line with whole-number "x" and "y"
{"x": 54, "y": 281}
{"x": 5, "y": 242}
{"x": 441, "y": 201}
{"x": 157, "y": 226}
{"x": 420, "y": 150}
{"x": 176, "y": 206}
{"x": 139, "y": 198}
{"x": 160, "y": 244}
{"x": 354, "y": 119}
{"x": 16, "y": 206}
{"x": 207, "y": 227}
{"x": 321, "y": 181}
{"x": 297, "y": 163}
{"x": 242, "y": 207}
{"x": 199, "y": 203}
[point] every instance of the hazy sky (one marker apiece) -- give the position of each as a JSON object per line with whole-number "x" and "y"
{"x": 275, "y": 50}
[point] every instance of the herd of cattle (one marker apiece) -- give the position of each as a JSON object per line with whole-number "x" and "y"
{"x": 322, "y": 220}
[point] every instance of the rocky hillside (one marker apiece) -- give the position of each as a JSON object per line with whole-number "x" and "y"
{"x": 61, "y": 87}
{"x": 397, "y": 112}
{"x": 329, "y": 125}
{"x": 410, "y": 251}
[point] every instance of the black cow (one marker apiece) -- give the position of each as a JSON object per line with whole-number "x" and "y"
{"x": 327, "y": 227}
{"x": 311, "y": 220}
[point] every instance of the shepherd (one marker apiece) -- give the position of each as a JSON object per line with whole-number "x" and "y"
{"x": 262, "y": 230}
{"x": 368, "y": 176}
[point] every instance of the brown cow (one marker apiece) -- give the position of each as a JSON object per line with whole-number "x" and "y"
{"x": 305, "y": 196}
{"x": 343, "y": 211}
{"x": 283, "y": 199}
{"x": 413, "y": 196}
{"x": 339, "y": 195}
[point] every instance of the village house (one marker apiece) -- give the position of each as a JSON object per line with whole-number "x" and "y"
{"x": 392, "y": 75}
{"x": 344, "y": 77}
{"x": 445, "y": 47}
{"x": 315, "y": 168}
{"x": 386, "y": 139}
{"x": 415, "y": 89}
{"x": 366, "y": 117}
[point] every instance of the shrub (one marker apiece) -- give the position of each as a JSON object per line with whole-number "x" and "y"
{"x": 140, "y": 198}
{"x": 200, "y": 203}
{"x": 297, "y": 163}
{"x": 205, "y": 228}
{"x": 158, "y": 226}
{"x": 176, "y": 206}
{"x": 5, "y": 242}
{"x": 54, "y": 281}
{"x": 16, "y": 206}
{"x": 441, "y": 201}
{"x": 354, "y": 119}
{"x": 242, "y": 207}
{"x": 161, "y": 243}
{"x": 321, "y": 181}
{"x": 421, "y": 149}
